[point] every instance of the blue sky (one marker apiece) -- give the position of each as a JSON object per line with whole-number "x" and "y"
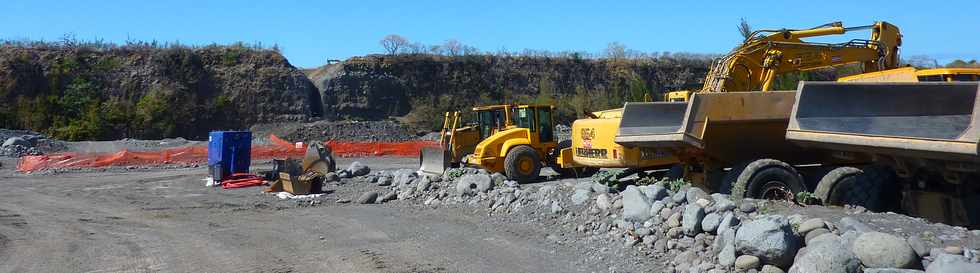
{"x": 310, "y": 32}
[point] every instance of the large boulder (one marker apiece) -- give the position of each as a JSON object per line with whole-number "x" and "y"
{"x": 882, "y": 250}
{"x": 636, "y": 205}
{"x": 727, "y": 222}
{"x": 357, "y": 169}
{"x": 471, "y": 184}
{"x": 691, "y": 222}
{"x": 695, "y": 193}
{"x": 710, "y": 222}
{"x": 580, "y": 197}
{"x": 827, "y": 257}
{"x": 770, "y": 238}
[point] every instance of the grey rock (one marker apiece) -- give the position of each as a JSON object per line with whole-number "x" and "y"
{"x": 811, "y": 224}
{"x": 679, "y": 197}
{"x": 368, "y": 197}
{"x": 656, "y": 207}
{"x": 748, "y": 207}
{"x": 384, "y": 181}
{"x": 636, "y": 206}
{"x": 949, "y": 263}
{"x": 770, "y": 269}
{"x": 891, "y": 270}
{"x": 602, "y": 201}
{"x": 710, "y": 222}
{"x": 343, "y": 201}
{"x": 722, "y": 203}
{"x": 770, "y": 238}
{"x": 917, "y": 244}
{"x": 618, "y": 204}
{"x": 882, "y": 250}
{"x": 691, "y": 222}
{"x": 746, "y": 262}
{"x": 18, "y": 141}
{"x": 727, "y": 222}
{"x": 423, "y": 185}
{"x": 584, "y": 185}
{"x": 597, "y": 187}
{"x": 656, "y": 192}
{"x": 848, "y": 223}
{"x": 956, "y": 250}
{"x": 580, "y": 197}
{"x": 814, "y": 234}
{"x": 694, "y": 194}
{"x": 674, "y": 220}
{"x": 556, "y": 208}
{"x": 643, "y": 232}
{"x": 404, "y": 177}
{"x": 344, "y": 174}
{"x": 357, "y": 169}
{"x": 826, "y": 257}
{"x": 498, "y": 178}
{"x": 472, "y": 184}
{"x": 726, "y": 257}
{"x": 387, "y": 197}
{"x": 723, "y": 240}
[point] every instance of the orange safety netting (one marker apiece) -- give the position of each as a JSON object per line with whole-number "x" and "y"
{"x": 199, "y": 154}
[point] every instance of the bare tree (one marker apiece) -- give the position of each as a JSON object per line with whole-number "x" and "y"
{"x": 453, "y": 47}
{"x": 616, "y": 50}
{"x": 393, "y": 42}
{"x": 744, "y": 28}
{"x": 416, "y": 48}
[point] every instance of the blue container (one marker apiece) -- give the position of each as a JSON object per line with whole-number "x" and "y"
{"x": 229, "y": 152}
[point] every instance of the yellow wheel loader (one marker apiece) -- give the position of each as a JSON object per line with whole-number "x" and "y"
{"x": 516, "y": 140}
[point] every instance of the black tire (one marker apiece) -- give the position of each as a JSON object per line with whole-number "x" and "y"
{"x": 839, "y": 178}
{"x": 728, "y": 181}
{"x": 518, "y": 156}
{"x": 851, "y": 186}
{"x": 768, "y": 179}
{"x": 575, "y": 172}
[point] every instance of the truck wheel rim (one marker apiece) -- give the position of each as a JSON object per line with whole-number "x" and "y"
{"x": 775, "y": 190}
{"x": 525, "y": 165}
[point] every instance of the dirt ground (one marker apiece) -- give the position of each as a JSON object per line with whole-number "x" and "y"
{"x": 165, "y": 220}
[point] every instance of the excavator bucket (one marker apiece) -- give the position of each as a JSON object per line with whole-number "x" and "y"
{"x": 928, "y": 119}
{"x": 319, "y": 159}
{"x": 434, "y": 160}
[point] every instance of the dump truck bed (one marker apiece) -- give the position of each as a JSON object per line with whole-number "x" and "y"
{"x": 725, "y": 127}
{"x": 934, "y": 120}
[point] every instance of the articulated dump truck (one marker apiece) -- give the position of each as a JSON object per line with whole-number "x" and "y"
{"x": 909, "y": 146}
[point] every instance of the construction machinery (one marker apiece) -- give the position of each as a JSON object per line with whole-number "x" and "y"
{"x": 916, "y": 132}
{"x": 302, "y": 177}
{"x": 734, "y": 141}
{"x": 616, "y": 138}
{"x": 517, "y": 140}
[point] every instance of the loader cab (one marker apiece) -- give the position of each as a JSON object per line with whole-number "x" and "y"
{"x": 536, "y": 118}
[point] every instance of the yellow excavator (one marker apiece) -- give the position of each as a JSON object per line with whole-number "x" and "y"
{"x": 753, "y": 66}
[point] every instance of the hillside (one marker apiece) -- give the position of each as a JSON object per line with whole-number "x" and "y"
{"x": 146, "y": 91}
{"x": 417, "y": 87}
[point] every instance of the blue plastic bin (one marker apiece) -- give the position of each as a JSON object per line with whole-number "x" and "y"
{"x": 229, "y": 152}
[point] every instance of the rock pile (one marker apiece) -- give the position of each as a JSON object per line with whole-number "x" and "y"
{"x": 686, "y": 227}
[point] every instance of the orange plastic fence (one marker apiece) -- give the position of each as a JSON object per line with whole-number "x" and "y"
{"x": 199, "y": 154}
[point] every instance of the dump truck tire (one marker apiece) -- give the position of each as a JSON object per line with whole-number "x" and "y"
{"x": 851, "y": 186}
{"x": 768, "y": 179}
{"x": 522, "y": 164}
{"x": 728, "y": 181}
{"x": 839, "y": 178}
{"x": 578, "y": 172}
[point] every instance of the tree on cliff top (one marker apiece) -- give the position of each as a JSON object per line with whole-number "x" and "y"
{"x": 393, "y": 42}
{"x": 744, "y": 28}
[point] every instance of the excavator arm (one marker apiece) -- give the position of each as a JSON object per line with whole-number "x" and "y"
{"x": 767, "y": 53}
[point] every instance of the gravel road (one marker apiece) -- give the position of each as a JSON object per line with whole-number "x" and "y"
{"x": 166, "y": 221}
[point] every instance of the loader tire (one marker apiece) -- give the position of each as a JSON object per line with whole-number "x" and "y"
{"x": 522, "y": 164}
{"x": 768, "y": 179}
{"x": 851, "y": 186}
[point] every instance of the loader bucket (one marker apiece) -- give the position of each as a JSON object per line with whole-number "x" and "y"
{"x": 433, "y": 160}
{"x": 649, "y": 123}
{"x": 926, "y": 119}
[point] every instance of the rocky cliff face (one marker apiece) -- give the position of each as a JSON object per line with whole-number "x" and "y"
{"x": 149, "y": 92}
{"x": 419, "y": 87}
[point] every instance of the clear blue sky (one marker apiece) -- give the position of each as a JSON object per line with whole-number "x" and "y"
{"x": 309, "y": 32}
